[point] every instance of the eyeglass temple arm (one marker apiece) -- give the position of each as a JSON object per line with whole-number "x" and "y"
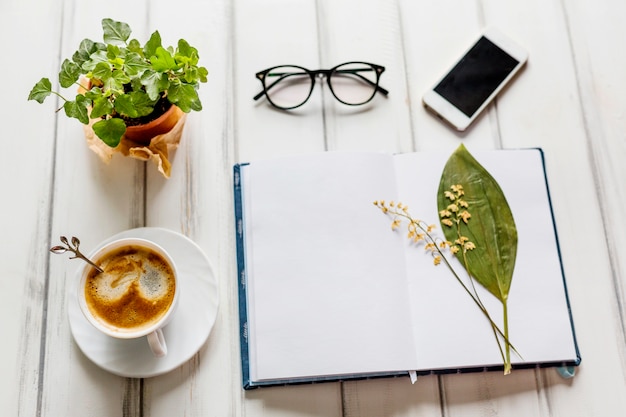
{"x": 274, "y": 74}
{"x": 368, "y": 81}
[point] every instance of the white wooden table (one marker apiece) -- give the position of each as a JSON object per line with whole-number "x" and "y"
{"x": 570, "y": 100}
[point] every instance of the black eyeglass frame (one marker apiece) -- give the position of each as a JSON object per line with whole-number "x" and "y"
{"x": 379, "y": 69}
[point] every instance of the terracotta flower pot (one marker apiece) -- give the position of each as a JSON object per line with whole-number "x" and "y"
{"x": 143, "y": 134}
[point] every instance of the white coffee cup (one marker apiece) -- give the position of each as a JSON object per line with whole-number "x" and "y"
{"x": 135, "y": 296}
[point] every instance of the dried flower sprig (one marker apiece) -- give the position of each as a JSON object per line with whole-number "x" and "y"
{"x": 420, "y": 231}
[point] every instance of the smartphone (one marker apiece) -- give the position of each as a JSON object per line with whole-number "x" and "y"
{"x": 473, "y": 82}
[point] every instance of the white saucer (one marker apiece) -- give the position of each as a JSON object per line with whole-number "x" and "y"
{"x": 185, "y": 334}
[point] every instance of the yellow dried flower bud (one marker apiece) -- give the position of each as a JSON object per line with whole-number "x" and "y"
{"x": 458, "y": 189}
{"x": 469, "y": 246}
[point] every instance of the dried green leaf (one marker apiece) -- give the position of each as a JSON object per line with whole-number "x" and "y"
{"x": 491, "y": 228}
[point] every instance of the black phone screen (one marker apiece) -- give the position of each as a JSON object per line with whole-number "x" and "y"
{"x": 476, "y": 76}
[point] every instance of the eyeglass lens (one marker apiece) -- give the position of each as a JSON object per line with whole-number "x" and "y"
{"x": 352, "y": 83}
{"x": 288, "y": 87}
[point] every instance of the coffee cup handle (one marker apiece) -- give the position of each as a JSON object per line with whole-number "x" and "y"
{"x": 156, "y": 341}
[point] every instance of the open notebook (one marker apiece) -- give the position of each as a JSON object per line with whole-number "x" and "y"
{"x": 329, "y": 292}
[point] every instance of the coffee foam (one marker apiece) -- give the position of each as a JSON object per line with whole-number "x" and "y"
{"x": 136, "y": 288}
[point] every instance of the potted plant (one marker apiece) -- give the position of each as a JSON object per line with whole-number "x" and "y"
{"x": 124, "y": 87}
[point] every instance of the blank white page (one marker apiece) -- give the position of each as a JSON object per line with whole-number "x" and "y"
{"x": 326, "y": 295}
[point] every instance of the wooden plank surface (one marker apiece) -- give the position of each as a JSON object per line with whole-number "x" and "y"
{"x": 569, "y": 100}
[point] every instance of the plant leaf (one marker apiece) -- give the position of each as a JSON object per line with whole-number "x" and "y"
{"x": 110, "y": 131}
{"x": 41, "y": 90}
{"x": 124, "y": 106}
{"x": 162, "y": 60}
{"x": 70, "y": 71}
{"x": 85, "y": 49}
{"x": 155, "y": 82}
{"x": 78, "y": 108}
{"x": 101, "y": 106}
{"x": 116, "y": 81}
{"x": 116, "y": 33}
{"x": 94, "y": 59}
{"x": 142, "y": 102}
{"x": 491, "y": 228}
{"x": 94, "y": 93}
{"x": 203, "y": 74}
{"x": 153, "y": 43}
{"x": 115, "y": 56}
{"x": 134, "y": 64}
{"x": 135, "y": 46}
{"x": 185, "y": 53}
{"x": 184, "y": 96}
{"x": 102, "y": 71}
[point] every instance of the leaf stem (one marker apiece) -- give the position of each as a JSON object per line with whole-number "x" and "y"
{"x": 58, "y": 95}
{"x": 507, "y": 361}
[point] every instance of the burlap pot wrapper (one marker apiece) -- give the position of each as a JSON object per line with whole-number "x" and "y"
{"x": 158, "y": 151}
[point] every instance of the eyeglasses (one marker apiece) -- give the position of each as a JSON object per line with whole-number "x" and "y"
{"x": 289, "y": 86}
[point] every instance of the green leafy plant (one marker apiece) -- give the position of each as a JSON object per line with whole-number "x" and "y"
{"x": 126, "y": 83}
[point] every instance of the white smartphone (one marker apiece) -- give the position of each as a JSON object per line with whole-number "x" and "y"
{"x": 473, "y": 82}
